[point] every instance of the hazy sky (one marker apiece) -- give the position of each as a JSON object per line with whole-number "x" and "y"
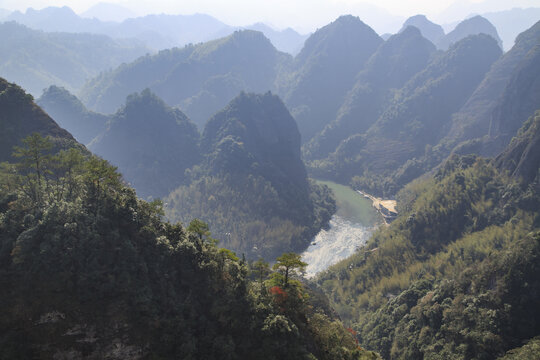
{"x": 303, "y": 15}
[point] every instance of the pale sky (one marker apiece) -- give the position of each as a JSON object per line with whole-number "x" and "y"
{"x": 303, "y": 15}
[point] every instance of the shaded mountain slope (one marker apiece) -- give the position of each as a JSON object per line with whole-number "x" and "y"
{"x": 393, "y": 64}
{"x": 474, "y": 118}
{"x": 20, "y": 117}
{"x": 200, "y": 78}
{"x": 151, "y": 143}
{"x": 416, "y": 120}
{"x": 324, "y": 71}
{"x": 70, "y": 113}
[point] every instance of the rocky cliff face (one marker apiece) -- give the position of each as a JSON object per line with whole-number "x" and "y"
{"x": 522, "y": 157}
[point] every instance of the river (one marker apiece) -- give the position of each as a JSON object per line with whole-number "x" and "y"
{"x": 350, "y": 228}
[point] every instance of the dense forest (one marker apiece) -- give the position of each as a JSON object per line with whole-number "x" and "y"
{"x": 251, "y": 186}
{"x": 91, "y": 271}
{"x": 455, "y": 276}
{"x": 157, "y": 205}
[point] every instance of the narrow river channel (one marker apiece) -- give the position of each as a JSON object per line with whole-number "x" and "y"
{"x": 350, "y": 228}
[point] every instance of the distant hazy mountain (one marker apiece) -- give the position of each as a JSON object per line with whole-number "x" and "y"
{"x": 511, "y": 23}
{"x": 70, "y": 113}
{"x": 471, "y": 26}
{"x": 251, "y": 186}
{"x": 4, "y": 13}
{"x": 463, "y": 8}
{"x": 431, "y": 31}
{"x": 325, "y": 70}
{"x": 156, "y": 31}
{"x": 61, "y": 19}
{"x": 151, "y": 143}
{"x": 393, "y": 64}
{"x": 201, "y": 79}
{"x": 20, "y": 117}
{"x": 36, "y": 60}
{"x": 287, "y": 40}
{"x": 108, "y": 12}
{"x": 416, "y": 120}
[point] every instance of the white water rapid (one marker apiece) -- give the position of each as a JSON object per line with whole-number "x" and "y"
{"x": 330, "y": 246}
{"x": 350, "y": 229}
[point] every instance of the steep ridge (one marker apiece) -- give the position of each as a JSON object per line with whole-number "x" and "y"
{"x": 71, "y": 114}
{"x": 218, "y": 71}
{"x": 522, "y": 156}
{"x": 431, "y": 31}
{"x": 201, "y": 79}
{"x": 324, "y": 71}
{"x": 416, "y": 120}
{"x": 472, "y": 26}
{"x": 393, "y": 64}
{"x": 20, "y": 117}
{"x": 520, "y": 99}
{"x": 36, "y": 59}
{"x": 151, "y": 143}
{"x": 252, "y": 186}
{"x": 473, "y": 119}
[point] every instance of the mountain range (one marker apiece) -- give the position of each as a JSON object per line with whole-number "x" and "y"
{"x": 157, "y": 32}
{"x": 228, "y": 133}
{"x": 36, "y": 59}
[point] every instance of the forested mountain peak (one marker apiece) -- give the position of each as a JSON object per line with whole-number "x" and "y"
{"x": 240, "y": 40}
{"x": 262, "y": 126}
{"x": 252, "y": 186}
{"x": 399, "y": 58}
{"x": 468, "y": 56}
{"x": 201, "y": 79}
{"x": 431, "y": 31}
{"x": 347, "y": 30}
{"x": 151, "y": 143}
{"x": 20, "y": 117}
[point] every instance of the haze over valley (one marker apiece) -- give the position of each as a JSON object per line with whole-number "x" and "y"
{"x": 332, "y": 180}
